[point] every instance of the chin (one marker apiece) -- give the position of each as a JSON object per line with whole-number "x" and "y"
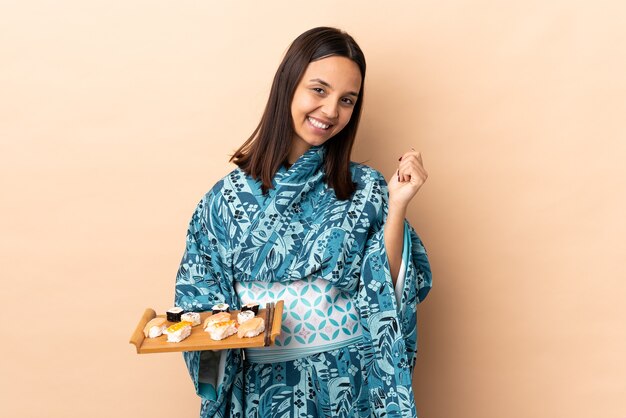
{"x": 317, "y": 142}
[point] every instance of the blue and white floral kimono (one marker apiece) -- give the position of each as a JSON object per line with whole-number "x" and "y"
{"x": 300, "y": 236}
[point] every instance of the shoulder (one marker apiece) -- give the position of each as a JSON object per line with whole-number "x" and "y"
{"x": 367, "y": 177}
{"x": 218, "y": 193}
{"x": 225, "y": 184}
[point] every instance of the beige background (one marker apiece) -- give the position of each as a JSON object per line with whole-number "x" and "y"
{"x": 116, "y": 116}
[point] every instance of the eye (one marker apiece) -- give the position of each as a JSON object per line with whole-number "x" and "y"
{"x": 318, "y": 90}
{"x": 348, "y": 101}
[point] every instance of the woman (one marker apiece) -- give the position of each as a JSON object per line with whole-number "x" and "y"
{"x": 298, "y": 221}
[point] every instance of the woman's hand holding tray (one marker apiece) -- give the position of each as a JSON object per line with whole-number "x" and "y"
{"x": 200, "y": 340}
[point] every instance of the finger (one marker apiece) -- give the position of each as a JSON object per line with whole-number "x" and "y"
{"x": 401, "y": 177}
{"x": 413, "y": 172}
{"x": 409, "y": 169}
{"x": 399, "y": 170}
{"x": 421, "y": 173}
{"x": 421, "y": 178}
{"x": 418, "y": 154}
{"x": 410, "y": 163}
{"x": 421, "y": 170}
{"x": 406, "y": 173}
{"x": 417, "y": 157}
{"x": 408, "y": 154}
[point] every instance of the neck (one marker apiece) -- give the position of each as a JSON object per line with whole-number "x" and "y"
{"x": 298, "y": 147}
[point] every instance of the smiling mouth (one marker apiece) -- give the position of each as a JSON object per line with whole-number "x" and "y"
{"x": 318, "y": 124}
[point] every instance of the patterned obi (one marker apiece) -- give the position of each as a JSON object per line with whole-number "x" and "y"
{"x": 317, "y": 317}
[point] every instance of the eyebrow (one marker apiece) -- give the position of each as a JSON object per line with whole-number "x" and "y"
{"x": 324, "y": 83}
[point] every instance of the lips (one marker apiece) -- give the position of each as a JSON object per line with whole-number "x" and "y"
{"x": 318, "y": 123}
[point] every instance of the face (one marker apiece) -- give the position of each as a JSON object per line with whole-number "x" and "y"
{"x": 324, "y": 100}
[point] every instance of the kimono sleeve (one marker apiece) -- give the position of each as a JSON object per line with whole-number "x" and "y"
{"x": 388, "y": 315}
{"x": 204, "y": 276}
{"x": 414, "y": 279}
{"x": 204, "y": 279}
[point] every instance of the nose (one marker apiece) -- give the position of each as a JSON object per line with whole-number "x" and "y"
{"x": 330, "y": 108}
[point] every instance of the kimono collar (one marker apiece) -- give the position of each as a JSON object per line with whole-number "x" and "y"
{"x": 306, "y": 166}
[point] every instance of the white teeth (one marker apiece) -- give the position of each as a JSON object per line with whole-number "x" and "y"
{"x": 318, "y": 124}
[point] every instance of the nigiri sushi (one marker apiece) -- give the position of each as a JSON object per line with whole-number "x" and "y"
{"x": 220, "y": 330}
{"x": 154, "y": 328}
{"x": 213, "y": 319}
{"x": 178, "y": 332}
{"x": 251, "y": 328}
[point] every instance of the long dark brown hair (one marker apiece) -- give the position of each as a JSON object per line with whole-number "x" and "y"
{"x": 268, "y": 147}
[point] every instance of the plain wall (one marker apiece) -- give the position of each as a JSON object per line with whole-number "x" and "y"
{"x": 117, "y": 116}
